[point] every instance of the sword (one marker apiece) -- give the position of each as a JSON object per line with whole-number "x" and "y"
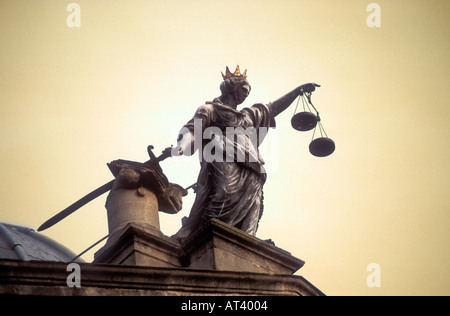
{"x": 98, "y": 192}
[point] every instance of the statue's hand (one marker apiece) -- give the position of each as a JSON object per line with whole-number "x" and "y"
{"x": 178, "y": 151}
{"x": 308, "y": 88}
{"x": 185, "y": 145}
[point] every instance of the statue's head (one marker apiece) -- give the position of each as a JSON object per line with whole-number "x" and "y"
{"x": 235, "y": 85}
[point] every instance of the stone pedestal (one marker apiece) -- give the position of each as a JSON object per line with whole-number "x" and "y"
{"x": 140, "y": 245}
{"x": 215, "y": 246}
{"x": 221, "y": 247}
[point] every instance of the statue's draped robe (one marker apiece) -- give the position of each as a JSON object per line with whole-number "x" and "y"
{"x": 231, "y": 189}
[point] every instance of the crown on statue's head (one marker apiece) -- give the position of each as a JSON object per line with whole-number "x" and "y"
{"x": 236, "y": 74}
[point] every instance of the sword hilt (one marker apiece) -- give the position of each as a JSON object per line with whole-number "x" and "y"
{"x": 156, "y": 160}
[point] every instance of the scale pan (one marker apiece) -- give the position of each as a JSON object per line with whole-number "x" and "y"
{"x": 304, "y": 121}
{"x": 322, "y": 147}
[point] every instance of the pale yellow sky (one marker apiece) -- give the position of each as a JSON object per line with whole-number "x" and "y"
{"x": 73, "y": 99}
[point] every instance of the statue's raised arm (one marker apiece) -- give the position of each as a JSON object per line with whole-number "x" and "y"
{"x": 285, "y": 101}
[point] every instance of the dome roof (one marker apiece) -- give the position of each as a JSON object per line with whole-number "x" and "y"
{"x": 23, "y": 243}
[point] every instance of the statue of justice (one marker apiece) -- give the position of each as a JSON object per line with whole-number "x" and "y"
{"x": 231, "y": 190}
{"x": 231, "y": 178}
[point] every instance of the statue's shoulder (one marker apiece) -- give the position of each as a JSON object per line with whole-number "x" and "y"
{"x": 215, "y": 106}
{"x": 214, "y": 103}
{"x": 208, "y": 107}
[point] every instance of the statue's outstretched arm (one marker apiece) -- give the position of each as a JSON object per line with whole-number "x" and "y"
{"x": 285, "y": 101}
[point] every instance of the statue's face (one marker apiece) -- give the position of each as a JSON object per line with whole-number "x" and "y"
{"x": 242, "y": 93}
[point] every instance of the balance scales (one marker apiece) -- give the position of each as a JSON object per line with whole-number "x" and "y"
{"x": 322, "y": 146}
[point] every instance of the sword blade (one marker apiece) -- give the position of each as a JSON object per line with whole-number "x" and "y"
{"x": 99, "y": 191}
{"x": 75, "y": 206}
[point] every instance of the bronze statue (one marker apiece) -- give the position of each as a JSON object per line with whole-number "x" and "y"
{"x": 231, "y": 179}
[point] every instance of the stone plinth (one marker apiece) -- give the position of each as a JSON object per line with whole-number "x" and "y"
{"x": 140, "y": 245}
{"x": 214, "y": 246}
{"x": 221, "y": 247}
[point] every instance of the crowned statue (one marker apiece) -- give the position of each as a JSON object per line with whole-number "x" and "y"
{"x": 230, "y": 184}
